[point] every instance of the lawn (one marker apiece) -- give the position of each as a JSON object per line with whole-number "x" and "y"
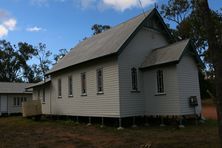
{"x": 20, "y": 132}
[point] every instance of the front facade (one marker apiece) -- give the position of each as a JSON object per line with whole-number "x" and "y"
{"x": 133, "y": 69}
{"x": 12, "y": 95}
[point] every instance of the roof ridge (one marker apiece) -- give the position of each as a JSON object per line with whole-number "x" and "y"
{"x": 115, "y": 26}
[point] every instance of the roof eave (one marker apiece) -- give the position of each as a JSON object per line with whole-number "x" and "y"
{"x": 161, "y": 64}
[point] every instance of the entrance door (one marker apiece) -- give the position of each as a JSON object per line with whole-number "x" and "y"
{"x": 3, "y": 103}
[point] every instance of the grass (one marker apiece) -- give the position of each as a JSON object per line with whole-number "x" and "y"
{"x": 21, "y": 132}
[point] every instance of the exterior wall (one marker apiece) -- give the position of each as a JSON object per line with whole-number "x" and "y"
{"x": 46, "y": 106}
{"x": 188, "y": 82}
{"x": 132, "y": 103}
{"x": 10, "y": 102}
{"x": 167, "y": 103}
{"x": 101, "y": 105}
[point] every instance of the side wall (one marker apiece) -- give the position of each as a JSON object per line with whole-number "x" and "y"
{"x": 46, "y": 106}
{"x": 132, "y": 103}
{"x": 16, "y": 109}
{"x": 167, "y": 103}
{"x": 188, "y": 82}
{"x": 101, "y": 105}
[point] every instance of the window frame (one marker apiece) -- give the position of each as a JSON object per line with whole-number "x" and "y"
{"x": 70, "y": 86}
{"x": 83, "y": 84}
{"x": 160, "y": 82}
{"x": 99, "y": 81}
{"x": 39, "y": 94}
{"x": 134, "y": 79}
{"x": 18, "y": 101}
{"x": 59, "y": 88}
{"x": 15, "y": 101}
{"x": 43, "y": 95}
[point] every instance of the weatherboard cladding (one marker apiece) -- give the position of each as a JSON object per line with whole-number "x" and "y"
{"x": 103, "y": 44}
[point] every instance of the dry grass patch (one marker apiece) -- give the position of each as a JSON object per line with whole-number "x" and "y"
{"x": 20, "y": 132}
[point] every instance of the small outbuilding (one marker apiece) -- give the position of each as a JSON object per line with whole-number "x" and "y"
{"x": 12, "y": 95}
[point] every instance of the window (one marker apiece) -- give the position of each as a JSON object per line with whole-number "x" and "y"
{"x": 70, "y": 86}
{"x": 14, "y": 101}
{"x": 160, "y": 84}
{"x": 18, "y": 102}
{"x": 83, "y": 83}
{"x": 59, "y": 88}
{"x": 39, "y": 94}
{"x": 134, "y": 79}
{"x": 43, "y": 95}
{"x": 99, "y": 80}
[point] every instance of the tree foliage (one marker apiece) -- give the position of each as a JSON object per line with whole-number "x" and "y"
{"x": 43, "y": 55}
{"x": 13, "y": 61}
{"x": 60, "y": 55}
{"x": 182, "y": 13}
{"x": 97, "y": 28}
{"x": 204, "y": 25}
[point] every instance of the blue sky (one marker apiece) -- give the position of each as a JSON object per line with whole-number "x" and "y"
{"x": 63, "y": 23}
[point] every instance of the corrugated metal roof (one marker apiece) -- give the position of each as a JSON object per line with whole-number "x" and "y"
{"x": 106, "y": 43}
{"x": 166, "y": 54}
{"x": 48, "y": 80}
{"x": 13, "y": 88}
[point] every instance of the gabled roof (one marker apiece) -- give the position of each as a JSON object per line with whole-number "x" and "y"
{"x": 48, "y": 80}
{"x": 103, "y": 44}
{"x": 167, "y": 54}
{"x": 14, "y": 88}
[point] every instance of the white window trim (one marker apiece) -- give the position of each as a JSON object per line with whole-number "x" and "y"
{"x": 97, "y": 81}
{"x": 159, "y": 93}
{"x": 70, "y": 89}
{"x": 83, "y": 93}
{"x": 59, "y": 88}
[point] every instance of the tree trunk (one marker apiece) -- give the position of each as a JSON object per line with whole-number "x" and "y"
{"x": 215, "y": 45}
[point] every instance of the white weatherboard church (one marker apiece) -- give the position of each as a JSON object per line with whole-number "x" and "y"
{"x": 133, "y": 69}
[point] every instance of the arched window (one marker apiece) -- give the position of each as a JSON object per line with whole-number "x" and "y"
{"x": 160, "y": 83}
{"x": 134, "y": 78}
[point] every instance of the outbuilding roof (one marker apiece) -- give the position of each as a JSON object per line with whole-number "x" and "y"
{"x": 166, "y": 54}
{"x": 14, "y": 88}
{"x": 48, "y": 80}
{"x": 103, "y": 44}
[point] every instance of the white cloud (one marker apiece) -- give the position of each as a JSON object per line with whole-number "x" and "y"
{"x": 3, "y": 31}
{"x": 7, "y": 25}
{"x": 84, "y": 4}
{"x": 119, "y": 5}
{"x": 122, "y": 5}
{"x": 34, "y": 29}
{"x": 10, "y": 24}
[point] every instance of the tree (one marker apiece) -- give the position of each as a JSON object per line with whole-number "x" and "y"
{"x": 60, "y": 55}
{"x": 43, "y": 56}
{"x": 96, "y": 28}
{"x": 9, "y": 64}
{"x": 14, "y": 62}
{"x": 212, "y": 22}
{"x": 181, "y": 12}
{"x": 195, "y": 19}
{"x": 26, "y": 52}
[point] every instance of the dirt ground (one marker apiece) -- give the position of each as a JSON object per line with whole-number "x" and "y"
{"x": 19, "y": 132}
{"x": 209, "y": 112}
